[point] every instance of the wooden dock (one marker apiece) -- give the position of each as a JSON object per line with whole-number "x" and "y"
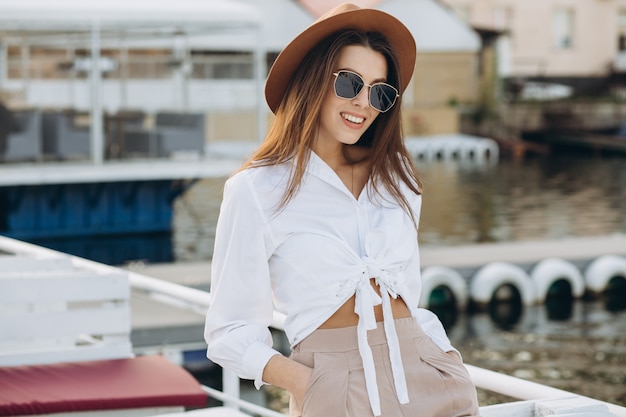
{"x": 574, "y": 249}
{"x": 582, "y": 140}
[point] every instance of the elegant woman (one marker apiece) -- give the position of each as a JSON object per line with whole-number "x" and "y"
{"x": 321, "y": 224}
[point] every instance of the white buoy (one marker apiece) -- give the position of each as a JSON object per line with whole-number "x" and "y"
{"x": 440, "y": 276}
{"x": 492, "y": 276}
{"x": 600, "y": 271}
{"x": 551, "y": 270}
{"x": 460, "y": 148}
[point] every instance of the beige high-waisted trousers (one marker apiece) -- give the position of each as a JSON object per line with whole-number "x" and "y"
{"x": 438, "y": 383}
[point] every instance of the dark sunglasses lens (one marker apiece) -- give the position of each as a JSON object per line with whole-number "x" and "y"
{"x": 382, "y": 97}
{"x": 348, "y": 85}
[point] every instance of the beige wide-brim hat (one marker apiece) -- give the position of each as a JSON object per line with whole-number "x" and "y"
{"x": 345, "y": 16}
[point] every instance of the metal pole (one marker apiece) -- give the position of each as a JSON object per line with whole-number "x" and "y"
{"x": 4, "y": 63}
{"x": 70, "y": 54}
{"x": 178, "y": 58}
{"x": 260, "y": 74}
{"x": 230, "y": 386}
{"x": 25, "y": 62}
{"x": 186, "y": 72}
{"x": 124, "y": 71}
{"x": 96, "y": 128}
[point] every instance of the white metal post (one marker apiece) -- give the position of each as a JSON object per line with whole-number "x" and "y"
{"x": 178, "y": 69}
{"x": 70, "y": 54}
{"x": 230, "y": 386}
{"x": 4, "y": 63}
{"x": 96, "y": 127}
{"x": 261, "y": 70}
{"x": 124, "y": 73}
{"x": 25, "y": 64}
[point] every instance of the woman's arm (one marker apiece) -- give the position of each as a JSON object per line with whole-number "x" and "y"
{"x": 241, "y": 310}
{"x": 288, "y": 374}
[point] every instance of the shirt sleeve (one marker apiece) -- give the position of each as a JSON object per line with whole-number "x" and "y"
{"x": 241, "y": 310}
{"x": 433, "y": 327}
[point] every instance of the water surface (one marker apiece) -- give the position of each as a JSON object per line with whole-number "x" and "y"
{"x": 537, "y": 198}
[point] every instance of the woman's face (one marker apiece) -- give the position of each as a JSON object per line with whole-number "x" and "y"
{"x": 343, "y": 121}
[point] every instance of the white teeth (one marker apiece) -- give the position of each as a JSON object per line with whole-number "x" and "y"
{"x": 352, "y": 119}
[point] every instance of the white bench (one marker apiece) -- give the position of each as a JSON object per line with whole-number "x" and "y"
{"x": 65, "y": 345}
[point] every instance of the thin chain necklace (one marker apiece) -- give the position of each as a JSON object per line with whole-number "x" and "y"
{"x": 352, "y": 179}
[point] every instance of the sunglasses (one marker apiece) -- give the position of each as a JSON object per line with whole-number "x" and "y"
{"x": 349, "y": 84}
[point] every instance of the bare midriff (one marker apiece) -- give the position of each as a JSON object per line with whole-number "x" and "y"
{"x": 346, "y": 317}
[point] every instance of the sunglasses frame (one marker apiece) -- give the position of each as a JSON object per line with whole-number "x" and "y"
{"x": 369, "y": 86}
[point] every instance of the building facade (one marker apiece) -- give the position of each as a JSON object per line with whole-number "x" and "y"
{"x": 221, "y": 74}
{"x": 579, "y": 43}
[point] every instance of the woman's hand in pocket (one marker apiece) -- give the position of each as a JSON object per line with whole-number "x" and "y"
{"x": 288, "y": 374}
{"x": 454, "y": 354}
{"x": 301, "y": 382}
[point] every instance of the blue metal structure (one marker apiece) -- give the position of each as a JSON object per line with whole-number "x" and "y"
{"x": 74, "y": 218}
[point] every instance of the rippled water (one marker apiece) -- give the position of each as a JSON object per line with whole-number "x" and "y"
{"x": 564, "y": 195}
{"x": 538, "y": 198}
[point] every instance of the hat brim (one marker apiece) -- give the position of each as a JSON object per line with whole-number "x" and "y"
{"x": 350, "y": 17}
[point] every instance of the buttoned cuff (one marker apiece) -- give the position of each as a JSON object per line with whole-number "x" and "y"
{"x": 255, "y": 358}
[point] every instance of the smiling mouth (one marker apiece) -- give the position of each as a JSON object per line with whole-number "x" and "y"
{"x": 353, "y": 119}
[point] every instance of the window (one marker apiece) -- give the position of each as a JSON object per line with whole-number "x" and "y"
{"x": 224, "y": 65}
{"x": 563, "y": 25}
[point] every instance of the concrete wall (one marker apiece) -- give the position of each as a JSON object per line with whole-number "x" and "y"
{"x": 442, "y": 80}
{"x": 444, "y": 77}
{"x": 430, "y": 121}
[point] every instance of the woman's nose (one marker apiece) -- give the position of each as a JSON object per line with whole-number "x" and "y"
{"x": 363, "y": 98}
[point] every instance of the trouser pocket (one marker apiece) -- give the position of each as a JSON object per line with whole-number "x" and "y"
{"x": 325, "y": 394}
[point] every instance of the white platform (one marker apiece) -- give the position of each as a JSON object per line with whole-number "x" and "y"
{"x": 113, "y": 171}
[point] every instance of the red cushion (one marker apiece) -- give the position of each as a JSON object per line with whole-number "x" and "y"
{"x": 146, "y": 381}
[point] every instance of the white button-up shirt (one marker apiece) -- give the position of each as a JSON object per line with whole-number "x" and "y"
{"x": 306, "y": 260}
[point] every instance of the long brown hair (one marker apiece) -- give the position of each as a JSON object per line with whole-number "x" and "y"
{"x": 295, "y": 126}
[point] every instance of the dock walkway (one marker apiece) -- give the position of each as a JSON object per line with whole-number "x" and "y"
{"x": 574, "y": 249}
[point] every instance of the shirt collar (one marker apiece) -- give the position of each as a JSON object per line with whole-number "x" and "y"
{"x": 320, "y": 169}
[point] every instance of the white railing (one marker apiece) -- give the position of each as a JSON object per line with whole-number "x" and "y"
{"x": 482, "y": 378}
{"x": 198, "y": 301}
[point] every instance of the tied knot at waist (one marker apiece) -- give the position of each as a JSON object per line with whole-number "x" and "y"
{"x": 384, "y": 275}
{"x": 389, "y": 280}
{"x": 387, "y": 277}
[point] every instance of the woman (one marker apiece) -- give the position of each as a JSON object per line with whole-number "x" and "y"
{"x": 321, "y": 224}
